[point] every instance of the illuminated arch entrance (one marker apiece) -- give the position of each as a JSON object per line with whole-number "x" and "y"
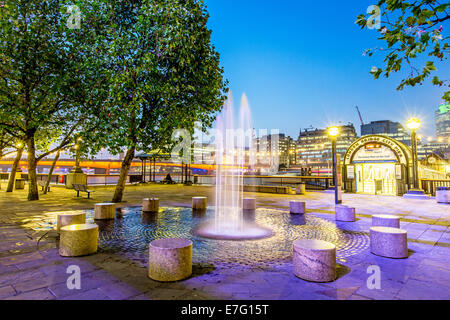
{"x": 377, "y": 164}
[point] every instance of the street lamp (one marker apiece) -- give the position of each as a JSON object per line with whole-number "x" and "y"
{"x": 333, "y": 132}
{"x": 413, "y": 124}
{"x": 77, "y": 168}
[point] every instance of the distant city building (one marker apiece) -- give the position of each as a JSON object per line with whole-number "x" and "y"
{"x": 285, "y": 148}
{"x": 388, "y": 128}
{"x": 204, "y": 154}
{"x": 380, "y": 127}
{"x": 443, "y": 123}
{"x": 438, "y": 148}
{"x": 314, "y": 147}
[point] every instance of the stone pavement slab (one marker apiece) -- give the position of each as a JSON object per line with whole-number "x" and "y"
{"x": 31, "y": 272}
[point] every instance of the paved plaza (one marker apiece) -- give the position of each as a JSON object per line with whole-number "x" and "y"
{"x": 31, "y": 268}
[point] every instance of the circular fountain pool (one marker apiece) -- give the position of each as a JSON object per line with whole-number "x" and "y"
{"x": 132, "y": 231}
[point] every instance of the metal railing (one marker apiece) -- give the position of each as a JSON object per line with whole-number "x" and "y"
{"x": 311, "y": 182}
{"x": 430, "y": 186}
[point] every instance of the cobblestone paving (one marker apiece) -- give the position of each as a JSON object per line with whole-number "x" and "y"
{"x": 30, "y": 267}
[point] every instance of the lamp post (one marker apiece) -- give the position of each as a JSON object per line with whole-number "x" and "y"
{"x": 413, "y": 124}
{"x": 76, "y": 175}
{"x": 333, "y": 132}
{"x": 77, "y": 168}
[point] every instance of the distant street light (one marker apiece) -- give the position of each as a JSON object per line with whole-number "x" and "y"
{"x": 413, "y": 124}
{"x": 333, "y": 132}
{"x": 77, "y": 168}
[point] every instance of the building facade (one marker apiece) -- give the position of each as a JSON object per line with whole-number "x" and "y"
{"x": 314, "y": 148}
{"x": 443, "y": 123}
{"x": 433, "y": 147}
{"x": 278, "y": 144}
{"x": 388, "y": 128}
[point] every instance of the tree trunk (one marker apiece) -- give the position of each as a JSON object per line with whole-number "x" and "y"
{"x": 126, "y": 164}
{"x": 33, "y": 193}
{"x": 12, "y": 177}
{"x": 47, "y": 183}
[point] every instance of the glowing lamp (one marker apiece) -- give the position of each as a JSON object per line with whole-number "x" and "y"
{"x": 413, "y": 124}
{"x": 333, "y": 131}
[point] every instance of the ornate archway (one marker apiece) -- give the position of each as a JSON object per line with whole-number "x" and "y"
{"x": 378, "y": 163}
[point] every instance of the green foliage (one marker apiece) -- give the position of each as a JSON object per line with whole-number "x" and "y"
{"x": 45, "y": 76}
{"x": 163, "y": 74}
{"x": 132, "y": 73}
{"x": 48, "y": 73}
{"x": 412, "y": 30}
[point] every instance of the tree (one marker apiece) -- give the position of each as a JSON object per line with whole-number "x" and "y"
{"x": 50, "y": 172}
{"x": 164, "y": 75}
{"x": 7, "y": 146}
{"x": 6, "y": 143}
{"x": 12, "y": 175}
{"x": 411, "y": 30}
{"x": 48, "y": 75}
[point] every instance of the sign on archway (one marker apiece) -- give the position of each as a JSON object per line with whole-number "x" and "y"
{"x": 377, "y": 164}
{"x": 377, "y": 148}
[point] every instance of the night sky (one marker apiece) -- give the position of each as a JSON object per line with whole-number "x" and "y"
{"x": 301, "y": 63}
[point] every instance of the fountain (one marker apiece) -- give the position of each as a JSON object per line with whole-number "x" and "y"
{"x": 231, "y": 142}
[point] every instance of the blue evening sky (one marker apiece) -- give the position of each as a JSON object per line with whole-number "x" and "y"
{"x": 300, "y": 64}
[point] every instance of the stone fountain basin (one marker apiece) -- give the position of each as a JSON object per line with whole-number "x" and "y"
{"x": 249, "y": 231}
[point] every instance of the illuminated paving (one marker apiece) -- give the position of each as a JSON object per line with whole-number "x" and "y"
{"x": 31, "y": 268}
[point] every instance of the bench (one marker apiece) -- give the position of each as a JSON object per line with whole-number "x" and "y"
{"x": 167, "y": 180}
{"x": 42, "y": 183}
{"x": 81, "y": 188}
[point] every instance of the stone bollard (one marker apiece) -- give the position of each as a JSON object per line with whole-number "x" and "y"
{"x": 301, "y": 188}
{"x": 199, "y": 203}
{"x": 297, "y": 207}
{"x": 443, "y": 194}
{"x": 314, "y": 260}
{"x": 150, "y": 205}
{"x": 105, "y": 211}
{"x": 170, "y": 260}
{"x": 69, "y": 218}
{"x": 249, "y": 204}
{"x": 345, "y": 213}
{"x": 389, "y": 242}
{"x": 384, "y": 220}
{"x": 78, "y": 240}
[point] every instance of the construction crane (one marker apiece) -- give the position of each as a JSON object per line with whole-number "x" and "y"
{"x": 360, "y": 117}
